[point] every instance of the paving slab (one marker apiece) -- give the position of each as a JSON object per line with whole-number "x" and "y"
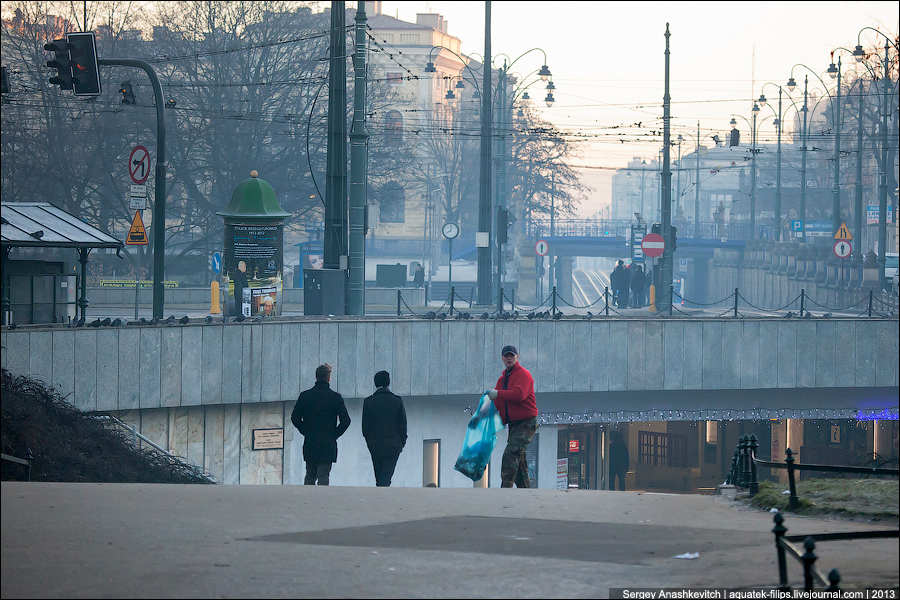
{"x": 144, "y": 540}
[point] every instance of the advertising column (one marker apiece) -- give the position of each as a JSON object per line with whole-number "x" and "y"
{"x": 253, "y": 263}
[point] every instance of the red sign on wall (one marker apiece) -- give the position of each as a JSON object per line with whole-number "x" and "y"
{"x": 574, "y": 445}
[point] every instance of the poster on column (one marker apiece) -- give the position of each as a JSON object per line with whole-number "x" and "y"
{"x": 254, "y": 262}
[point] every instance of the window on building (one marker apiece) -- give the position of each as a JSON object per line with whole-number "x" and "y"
{"x": 431, "y": 463}
{"x": 393, "y": 128}
{"x": 661, "y": 449}
{"x": 393, "y": 203}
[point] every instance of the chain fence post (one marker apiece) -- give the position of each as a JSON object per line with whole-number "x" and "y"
{"x": 452, "y": 294}
{"x": 398, "y": 302}
{"x": 802, "y": 301}
{"x": 671, "y": 298}
{"x": 735, "y": 302}
{"x": 606, "y": 299}
{"x": 870, "y": 302}
{"x": 779, "y": 530}
{"x": 809, "y": 558}
{"x": 553, "y": 305}
{"x": 754, "y": 482}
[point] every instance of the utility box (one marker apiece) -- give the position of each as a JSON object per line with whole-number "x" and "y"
{"x": 390, "y": 275}
{"x": 324, "y": 291}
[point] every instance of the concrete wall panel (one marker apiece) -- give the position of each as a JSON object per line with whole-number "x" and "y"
{"x": 693, "y": 355}
{"x": 347, "y": 336}
{"x": 582, "y": 367}
{"x": 170, "y": 367}
{"x": 544, "y": 378}
{"x": 866, "y": 341}
{"x": 290, "y": 371}
{"x": 885, "y": 372}
{"x": 107, "y": 370}
{"x": 232, "y": 447}
{"x": 404, "y": 360}
{"x": 636, "y": 379}
{"x": 768, "y": 354}
{"x": 732, "y": 333}
{"x": 191, "y": 366}
{"x": 365, "y": 357}
{"x": 806, "y": 354}
{"x": 129, "y": 369}
{"x": 155, "y": 425}
{"x": 196, "y": 446}
{"x": 713, "y": 363}
{"x": 149, "y": 367}
{"x": 16, "y": 352}
{"x": 214, "y": 442}
{"x": 825, "y": 354}
{"x": 260, "y": 467}
{"x": 457, "y": 345}
{"x": 787, "y": 355}
{"x": 598, "y": 353}
{"x": 85, "y": 396}
{"x": 309, "y": 354}
{"x": 749, "y": 355}
{"x": 328, "y": 352}
{"x": 40, "y": 362}
{"x": 565, "y": 367}
{"x": 211, "y": 379}
{"x": 270, "y": 383}
{"x": 232, "y": 363}
{"x": 617, "y": 355}
{"x": 654, "y": 356}
{"x": 673, "y": 347}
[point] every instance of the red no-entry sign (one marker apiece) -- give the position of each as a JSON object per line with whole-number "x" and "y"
{"x": 653, "y": 245}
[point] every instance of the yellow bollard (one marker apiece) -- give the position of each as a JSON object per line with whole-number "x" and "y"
{"x": 652, "y": 307}
{"x": 214, "y": 308}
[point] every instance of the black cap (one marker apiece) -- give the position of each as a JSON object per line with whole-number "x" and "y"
{"x": 509, "y": 350}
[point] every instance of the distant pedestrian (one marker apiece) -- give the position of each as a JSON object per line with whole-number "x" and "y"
{"x": 638, "y": 283}
{"x": 419, "y": 276}
{"x": 384, "y": 428}
{"x": 617, "y": 281}
{"x": 618, "y": 461}
{"x": 321, "y": 416}
{"x": 514, "y": 398}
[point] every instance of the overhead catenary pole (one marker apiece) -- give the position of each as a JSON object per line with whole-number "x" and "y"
{"x": 836, "y": 183}
{"x": 697, "y": 188}
{"x": 753, "y": 175}
{"x": 663, "y": 296}
{"x": 499, "y": 200}
{"x": 882, "y": 175}
{"x": 356, "y": 299}
{"x": 778, "y": 125}
{"x": 803, "y": 162}
{"x": 335, "y": 250}
{"x": 858, "y": 201}
{"x": 159, "y": 191}
{"x": 484, "y": 183}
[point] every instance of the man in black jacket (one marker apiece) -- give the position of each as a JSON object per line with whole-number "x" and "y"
{"x": 384, "y": 427}
{"x": 321, "y": 416}
{"x": 618, "y": 461}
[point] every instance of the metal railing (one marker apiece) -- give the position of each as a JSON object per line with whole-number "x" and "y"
{"x": 744, "y": 464}
{"x": 785, "y": 544}
{"x": 137, "y": 435}
{"x": 621, "y": 228}
{"x": 25, "y": 462}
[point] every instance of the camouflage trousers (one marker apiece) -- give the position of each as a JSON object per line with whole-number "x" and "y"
{"x": 514, "y": 468}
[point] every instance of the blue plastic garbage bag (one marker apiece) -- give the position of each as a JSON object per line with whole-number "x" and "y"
{"x": 479, "y": 442}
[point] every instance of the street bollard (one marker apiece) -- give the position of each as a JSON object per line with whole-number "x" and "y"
{"x": 652, "y": 307}
{"x": 214, "y": 308}
{"x": 793, "y": 501}
{"x": 754, "y": 483}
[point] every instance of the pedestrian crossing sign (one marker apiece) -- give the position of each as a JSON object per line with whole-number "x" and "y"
{"x": 137, "y": 235}
{"x": 843, "y": 233}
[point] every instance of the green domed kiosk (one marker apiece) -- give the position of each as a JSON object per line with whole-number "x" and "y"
{"x": 253, "y": 263}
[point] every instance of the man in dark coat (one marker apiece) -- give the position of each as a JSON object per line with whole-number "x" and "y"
{"x": 321, "y": 416}
{"x": 616, "y": 280}
{"x": 638, "y": 283}
{"x": 384, "y": 427}
{"x": 618, "y": 461}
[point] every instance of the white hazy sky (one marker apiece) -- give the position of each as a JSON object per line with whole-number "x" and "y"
{"x": 607, "y": 59}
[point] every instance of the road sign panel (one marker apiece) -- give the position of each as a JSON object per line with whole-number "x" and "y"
{"x": 653, "y": 245}
{"x": 216, "y": 262}
{"x": 139, "y": 164}
{"x": 542, "y": 248}
{"x": 137, "y": 202}
{"x": 843, "y": 248}
{"x": 138, "y": 190}
{"x": 137, "y": 235}
{"x": 843, "y": 233}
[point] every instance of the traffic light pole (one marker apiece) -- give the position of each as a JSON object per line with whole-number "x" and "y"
{"x": 159, "y": 196}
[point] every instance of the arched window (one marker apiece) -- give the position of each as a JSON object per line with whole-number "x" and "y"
{"x": 393, "y": 128}
{"x": 393, "y": 203}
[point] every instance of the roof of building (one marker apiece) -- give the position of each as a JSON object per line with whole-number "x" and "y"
{"x": 40, "y": 224}
{"x": 383, "y": 21}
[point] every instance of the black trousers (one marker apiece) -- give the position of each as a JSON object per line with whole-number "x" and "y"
{"x": 384, "y": 464}
{"x": 317, "y": 473}
{"x": 612, "y": 480}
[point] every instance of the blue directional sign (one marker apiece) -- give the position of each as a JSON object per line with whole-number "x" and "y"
{"x": 216, "y": 262}
{"x": 796, "y": 224}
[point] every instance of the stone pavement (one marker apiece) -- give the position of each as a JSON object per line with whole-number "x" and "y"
{"x": 137, "y": 540}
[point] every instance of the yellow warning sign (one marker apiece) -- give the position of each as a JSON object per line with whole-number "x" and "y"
{"x": 137, "y": 235}
{"x": 843, "y": 233}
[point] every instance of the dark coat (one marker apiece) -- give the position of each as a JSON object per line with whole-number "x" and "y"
{"x": 616, "y": 277}
{"x": 638, "y": 281}
{"x": 618, "y": 456}
{"x": 384, "y": 422}
{"x": 316, "y": 415}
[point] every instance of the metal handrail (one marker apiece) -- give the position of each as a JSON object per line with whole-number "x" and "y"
{"x": 138, "y": 435}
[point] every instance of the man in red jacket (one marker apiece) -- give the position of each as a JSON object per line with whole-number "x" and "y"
{"x": 514, "y": 398}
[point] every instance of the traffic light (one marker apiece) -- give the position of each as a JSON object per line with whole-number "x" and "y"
{"x": 502, "y": 225}
{"x": 83, "y": 56}
{"x": 61, "y": 63}
{"x": 127, "y": 92}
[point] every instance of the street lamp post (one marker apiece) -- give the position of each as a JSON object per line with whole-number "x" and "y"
{"x": 791, "y": 84}
{"x": 753, "y": 152}
{"x": 836, "y": 183}
{"x": 678, "y": 210}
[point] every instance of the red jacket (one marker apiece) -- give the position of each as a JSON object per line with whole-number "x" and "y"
{"x": 515, "y": 396}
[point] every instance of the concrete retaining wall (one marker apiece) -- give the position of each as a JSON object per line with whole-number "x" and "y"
{"x": 248, "y": 363}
